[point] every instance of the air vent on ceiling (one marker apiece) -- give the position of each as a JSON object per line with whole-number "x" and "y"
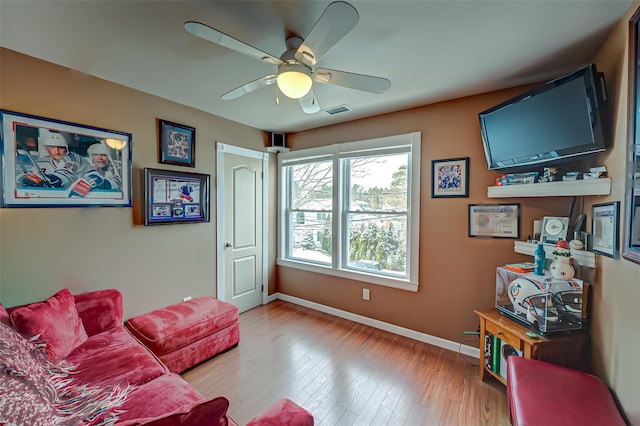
{"x": 337, "y": 110}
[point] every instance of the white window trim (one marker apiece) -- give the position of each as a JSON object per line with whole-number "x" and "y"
{"x": 384, "y": 145}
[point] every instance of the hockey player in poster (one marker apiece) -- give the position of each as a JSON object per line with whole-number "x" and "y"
{"x": 103, "y": 173}
{"x": 58, "y": 169}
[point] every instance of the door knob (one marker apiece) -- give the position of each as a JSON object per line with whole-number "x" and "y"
{"x": 228, "y": 244}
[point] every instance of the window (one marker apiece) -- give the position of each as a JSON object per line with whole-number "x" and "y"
{"x": 349, "y": 210}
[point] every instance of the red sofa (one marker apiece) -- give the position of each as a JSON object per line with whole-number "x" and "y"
{"x": 95, "y": 372}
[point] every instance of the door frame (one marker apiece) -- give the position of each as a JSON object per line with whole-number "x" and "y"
{"x": 221, "y": 150}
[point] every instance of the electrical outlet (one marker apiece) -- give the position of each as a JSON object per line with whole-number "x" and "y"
{"x": 186, "y": 298}
{"x": 366, "y": 294}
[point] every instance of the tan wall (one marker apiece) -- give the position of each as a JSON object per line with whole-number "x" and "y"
{"x": 616, "y": 299}
{"x": 46, "y": 249}
{"x": 457, "y": 273}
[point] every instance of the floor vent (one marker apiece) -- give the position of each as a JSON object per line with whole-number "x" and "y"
{"x": 337, "y": 110}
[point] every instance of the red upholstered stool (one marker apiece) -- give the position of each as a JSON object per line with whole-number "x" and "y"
{"x": 283, "y": 413}
{"x": 184, "y": 334}
{"x": 543, "y": 394}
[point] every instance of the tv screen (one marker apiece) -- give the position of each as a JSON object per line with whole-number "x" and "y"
{"x": 558, "y": 121}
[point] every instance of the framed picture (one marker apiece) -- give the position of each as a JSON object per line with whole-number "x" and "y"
{"x": 605, "y": 228}
{"x": 494, "y": 220}
{"x": 450, "y": 178}
{"x": 177, "y": 144}
{"x": 175, "y": 197}
{"x": 554, "y": 229}
{"x": 53, "y": 163}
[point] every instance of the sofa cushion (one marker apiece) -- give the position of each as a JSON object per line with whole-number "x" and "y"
{"x": 115, "y": 357}
{"x": 55, "y": 320}
{"x": 210, "y": 412}
{"x": 100, "y": 310}
{"x": 164, "y": 395}
{"x": 167, "y": 329}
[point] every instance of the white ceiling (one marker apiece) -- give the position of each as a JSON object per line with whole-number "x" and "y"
{"x": 430, "y": 50}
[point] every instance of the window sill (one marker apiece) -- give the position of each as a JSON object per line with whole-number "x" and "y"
{"x": 352, "y": 275}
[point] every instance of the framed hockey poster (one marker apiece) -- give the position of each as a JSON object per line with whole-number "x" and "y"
{"x": 53, "y": 163}
{"x": 175, "y": 197}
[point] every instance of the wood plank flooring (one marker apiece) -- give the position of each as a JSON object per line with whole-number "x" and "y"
{"x": 346, "y": 373}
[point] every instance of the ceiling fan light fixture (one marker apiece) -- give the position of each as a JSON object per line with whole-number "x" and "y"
{"x": 294, "y": 80}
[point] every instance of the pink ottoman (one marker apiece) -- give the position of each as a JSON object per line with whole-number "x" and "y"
{"x": 184, "y": 334}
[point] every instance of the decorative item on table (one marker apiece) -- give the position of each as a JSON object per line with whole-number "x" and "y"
{"x": 595, "y": 173}
{"x": 562, "y": 266}
{"x": 545, "y": 303}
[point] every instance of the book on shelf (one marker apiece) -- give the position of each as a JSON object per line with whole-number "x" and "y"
{"x": 495, "y": 355}
{"x": 520, "y": 267}
{"x": 486, "y": 359}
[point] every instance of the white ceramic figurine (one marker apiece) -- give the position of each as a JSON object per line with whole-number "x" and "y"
{"x": 562, "y": 266}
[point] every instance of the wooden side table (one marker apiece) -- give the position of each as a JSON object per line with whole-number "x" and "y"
{"x": 569, "y": 349}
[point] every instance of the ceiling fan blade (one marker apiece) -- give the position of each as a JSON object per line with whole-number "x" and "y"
{"x": 367, "y": 83}
{"x": 211, "y": 34}
{"x": 337, "y": 20}
{"x": 265, "y": 81}
{"x": 309, "y": 103}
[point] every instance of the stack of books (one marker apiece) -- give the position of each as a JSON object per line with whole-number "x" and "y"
{"x": 520, "y": 267}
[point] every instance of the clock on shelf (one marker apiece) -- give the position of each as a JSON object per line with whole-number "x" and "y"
{"x": 554, "y": 229}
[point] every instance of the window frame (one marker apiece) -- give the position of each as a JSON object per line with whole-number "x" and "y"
{"x": 409, "y": 143}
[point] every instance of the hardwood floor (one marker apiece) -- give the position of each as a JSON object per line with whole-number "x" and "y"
{"x": 346, "y": 373}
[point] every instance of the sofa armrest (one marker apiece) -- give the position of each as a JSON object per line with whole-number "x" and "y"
{"x": 210, "y": 412}
{"x": 283, "y": 413}
{"x": 100, "y": 310}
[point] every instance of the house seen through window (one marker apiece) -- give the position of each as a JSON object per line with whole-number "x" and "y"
{"x": 349, "y": 209}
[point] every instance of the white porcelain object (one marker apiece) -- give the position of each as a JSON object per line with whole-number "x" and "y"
{"x": 576, "y": 245}
{"x": 562, "y": 268}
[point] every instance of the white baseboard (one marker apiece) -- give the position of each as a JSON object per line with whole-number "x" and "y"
{"x": 406, "y": 332}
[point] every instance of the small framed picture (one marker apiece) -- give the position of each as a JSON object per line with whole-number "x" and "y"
{"x": 177, "y": 144}
{"x": 494, "y": 220}
{"x": 175, "y": 197}
{"x": 450, "y": 178}
{"x": 605, "y": 228}
{"x": 554, "y": 229}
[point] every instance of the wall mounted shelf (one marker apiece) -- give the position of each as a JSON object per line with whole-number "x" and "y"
{"x": 600, "y": 186}
{"x": 582, "y": 257}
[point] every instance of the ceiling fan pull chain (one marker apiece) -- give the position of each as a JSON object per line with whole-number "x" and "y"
{"x": 277, "y": 100}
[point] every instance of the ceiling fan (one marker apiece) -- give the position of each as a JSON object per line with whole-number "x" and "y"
{"x": 296, "y": 66}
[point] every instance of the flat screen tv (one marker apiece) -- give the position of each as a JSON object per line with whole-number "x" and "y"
{"x": 558, "y": 121}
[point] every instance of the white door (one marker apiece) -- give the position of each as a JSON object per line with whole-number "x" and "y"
{"x": 241, "y": 187}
